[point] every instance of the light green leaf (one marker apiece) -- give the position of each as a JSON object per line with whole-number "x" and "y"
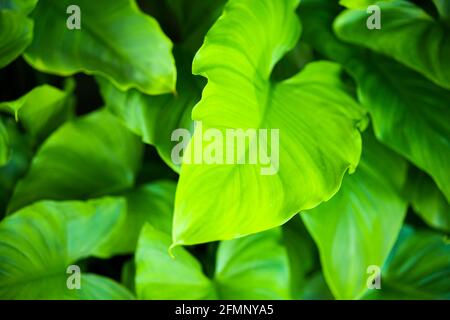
{"x": 152, "y": 203}
{"x": 253, "y": 267}
{"x": 91, "y": 156}
{"x": 418, "y": 268}
{"x": 154, "y": 118}
{"x": 355, "y": 4}
{"x": 22, "y": 6}
{"x": 5, "y": 148}
{"x": 317, "y": 122}
{"x": 116, "y": 40}
{"x": 42, "y": 109}
{"x": 359, "y": 226}
{"x": 16, "y": 34}
{"x": 429, "y": 202}
{"x": 408, "y": 34}
{"x": 159, "y": 276}
{"x": 39, "y": 243}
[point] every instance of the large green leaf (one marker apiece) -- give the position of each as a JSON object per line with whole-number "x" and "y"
{"x": 116, "y": 40}
{"x": 408, "y": 34}
{"x": 418, "y": 268}
{"x": 359, "y": 226}
{"x": 42, "y": 109}
{"x": 429, "y": 202}
{"x": 16, "y": 34}
{"x": 253, "y": 267}
{"x": 159, "y": 276}
{"x": 409, "y": 112}
{"x": 91, "y": 156}
{"x": 152, "y": 203}
{"x": 317, "y": 123}
{"x": 5, "y": 147}
{"x": 154, "y": 118}
{"x": 39, "y": 243}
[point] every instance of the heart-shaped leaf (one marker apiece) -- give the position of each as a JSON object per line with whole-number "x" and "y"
{"x": 91, "y": 156}
{"x": 39, "y": 243}
{"x": 316, "y": 121}
{"x": 135, "y": 53}
{"x": 358, "y": 227}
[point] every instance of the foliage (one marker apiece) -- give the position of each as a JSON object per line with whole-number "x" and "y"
{"x": 88, "y": 179}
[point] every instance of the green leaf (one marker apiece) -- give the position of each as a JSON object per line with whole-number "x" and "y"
{"x": 254, "y": 267}
{"x": 152, "y": 203}
{"x": 408, "y": 111}
{"x": 316, "y": 288}
{"x": 91, "y": 156}
{"x": 359, "y": 226}
{"x": 429, "y": 202}
{"x": 16, "y": 34}
{"x": 317, "y": 123}
{"x": 22, "y": 6}
{"x": 443, "y": 7}
{"x": 42, "y": 109}
{"x": 154, "y": 118}
{"x": 5, "y": 148}
{"x": 116, "y": 40}
{"x": 408, "y": 34}
{"x": 418, "y": 268}
{"x": 355, "y": 4}
{"x": 39, "y": 243}
{"x": 159, "y": 276}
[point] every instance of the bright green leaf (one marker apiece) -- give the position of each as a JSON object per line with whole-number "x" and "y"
{"x": 91, "y": 156}
{"x": 5, "y": 148}
{"x": 418, "y": 268}
{"x": 359, "y": 226}
{"x": 16, "y": 34}
{"x": 42, "y": 109}
{"x": 39, "y": 243}
{"x": 317, "y": 123}
{"x": 408, "y": 34}
{"x": 116, "y": 40}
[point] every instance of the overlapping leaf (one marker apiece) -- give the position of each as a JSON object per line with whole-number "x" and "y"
{"x": 91, "y": 156}
{"x": 317, "y": 123}
{"x": 358, "y": 227}
{"x": 408, "y": 34}
{"x": 116, "y": 40}
{"x": 254, "y": 267}
{"x": 39, "y": 243}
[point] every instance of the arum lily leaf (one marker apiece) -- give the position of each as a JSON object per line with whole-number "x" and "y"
{"x": 38, "y": 244}
{"x": 406, "y": 29}
{"x": 91, "y": 156}
{"x": 16, "y": 34}
{"x": 429, "y": 202}
{"x": 42, "y": 109}
{"x": 253, "y": 267}
{"x": 258, "y": 262}
{"x": 159, "y": 276}
{"x": 135, "y": 53}
{"x": 213, "y": 201}
{"x": 155, "y": 118}
{"x": 358, "y": 227}
{"x": 418, "y": 268}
